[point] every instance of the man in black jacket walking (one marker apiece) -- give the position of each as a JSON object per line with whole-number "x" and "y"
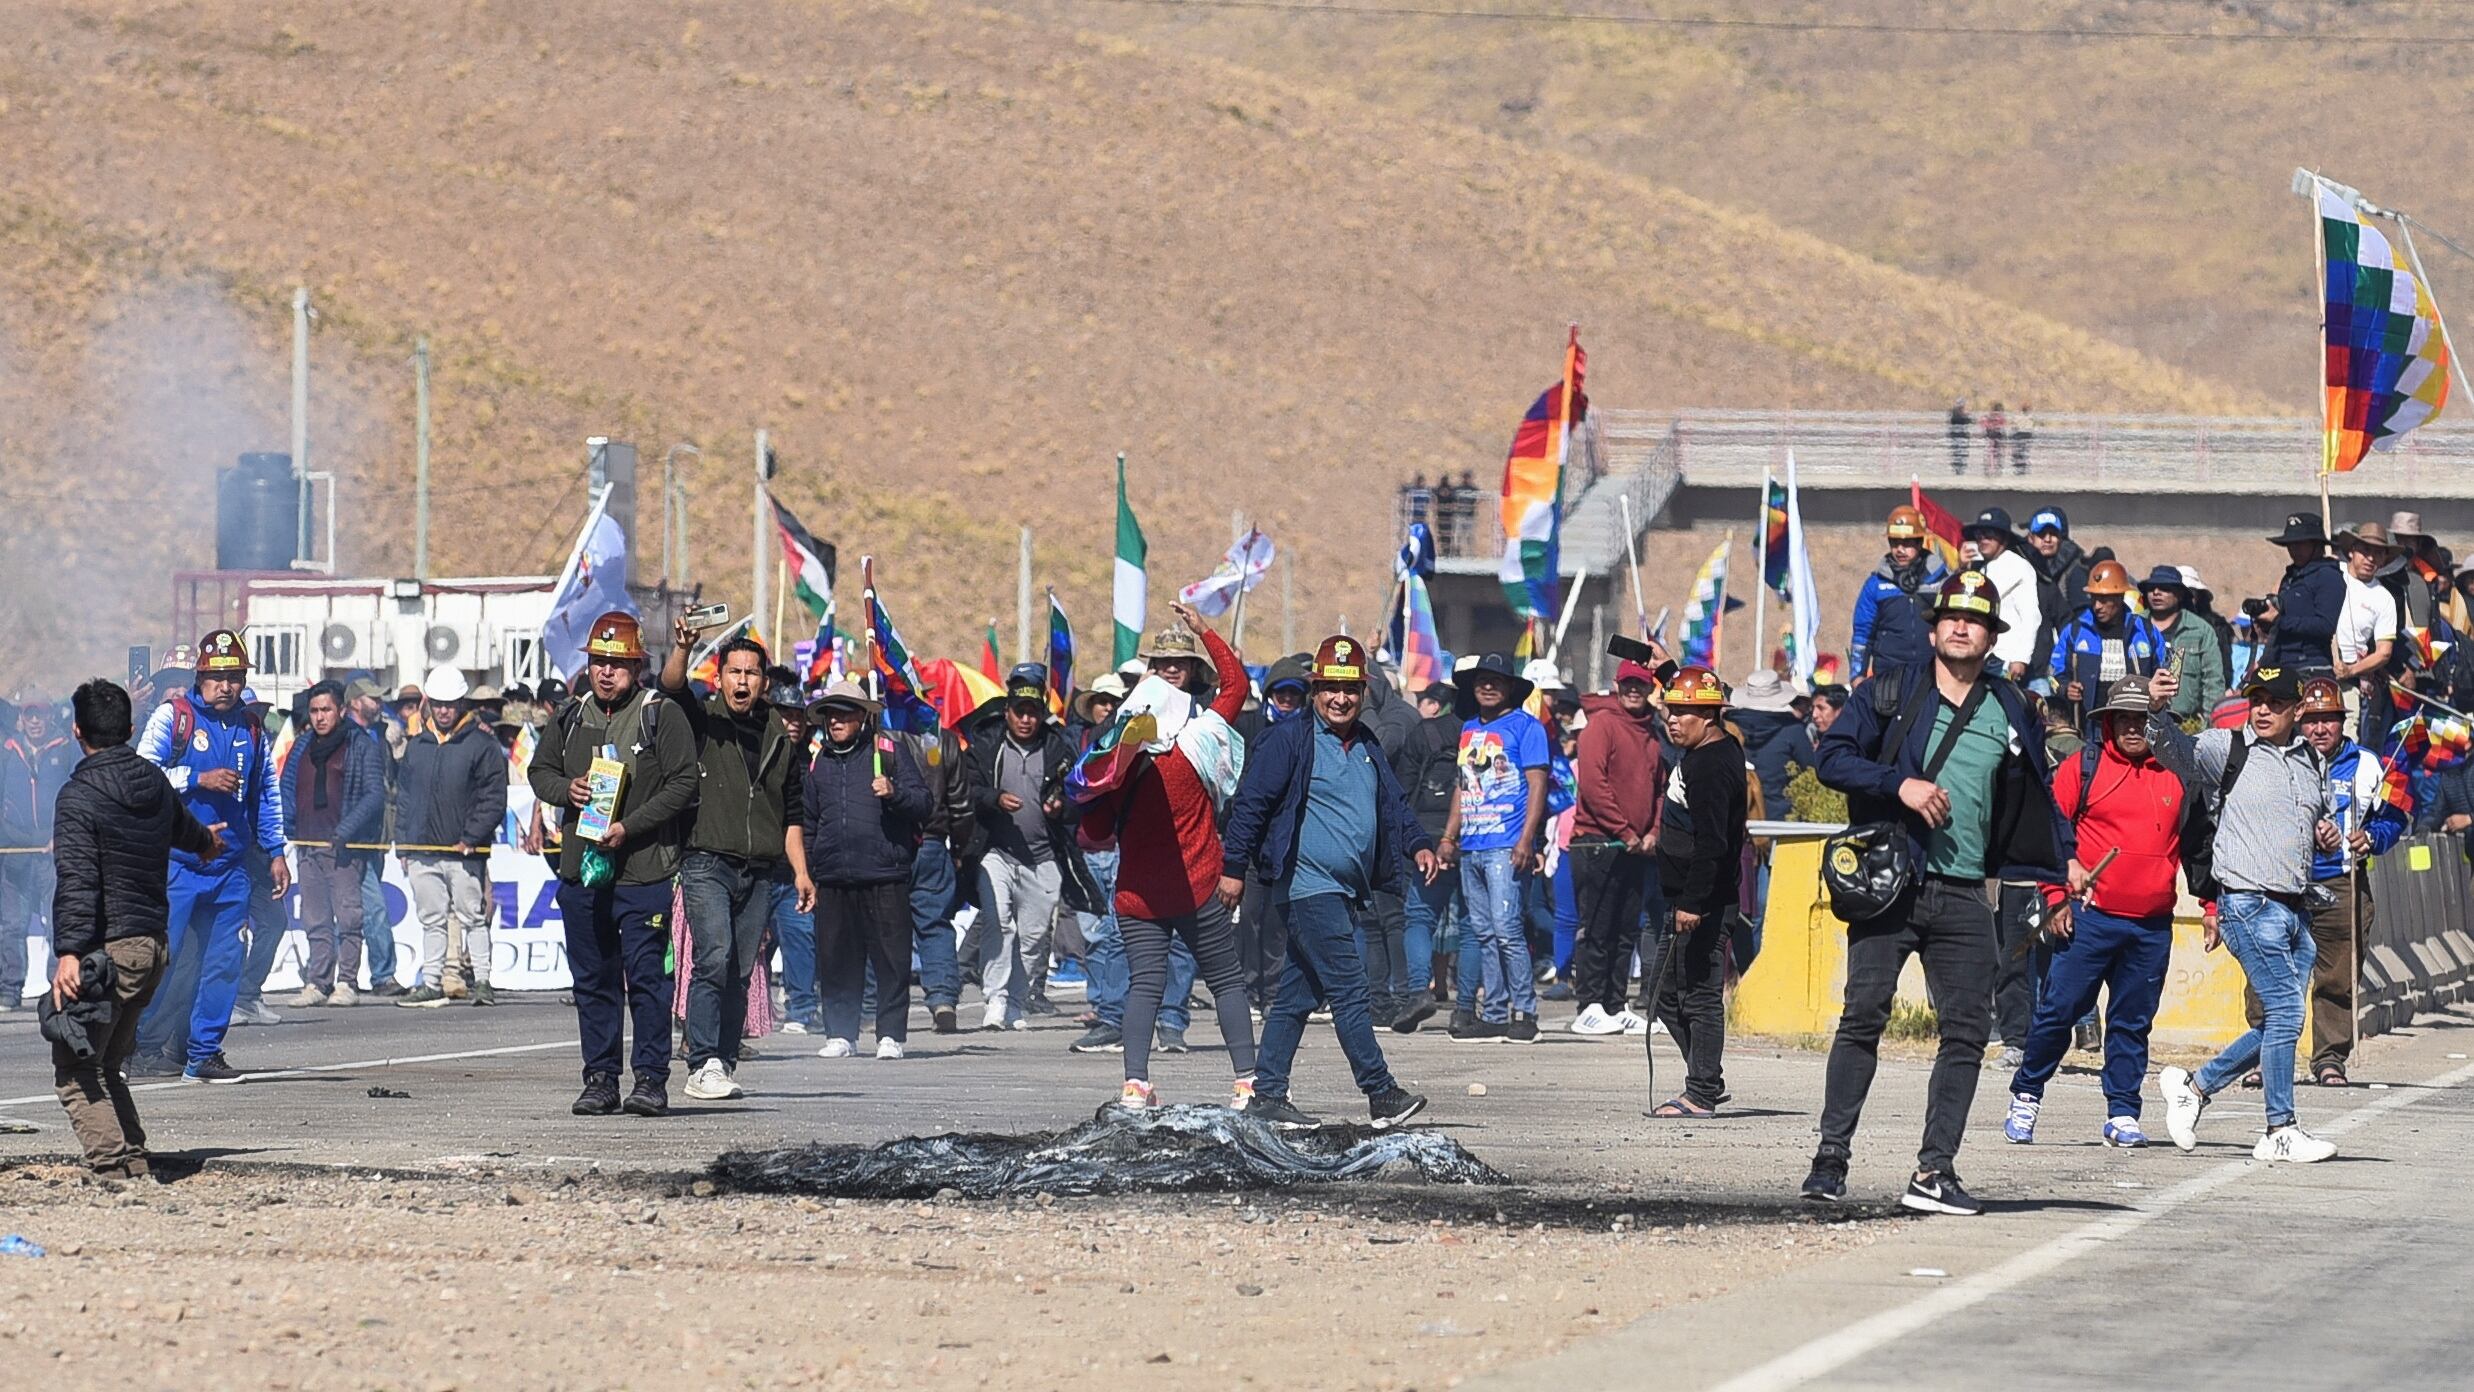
{"x": 114, "y": 829}
{"x": 1700, "y": 869}
{"x": 450, "y": 797}
{"x": 1018, "y": 761}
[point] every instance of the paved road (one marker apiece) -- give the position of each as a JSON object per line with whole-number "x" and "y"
{"x": 2095, "y": 1263}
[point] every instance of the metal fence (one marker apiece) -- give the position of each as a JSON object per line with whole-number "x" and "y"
{"x": 2418, "y": 953}
{"x": 2091, "y": 453}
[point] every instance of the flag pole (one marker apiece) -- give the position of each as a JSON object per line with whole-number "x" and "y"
{"x": 1571, "y": 602}
{"x": 1761, "y": 578}
{"x": 867, "y": 650}
{"x": 2319, "y": 354}
{"x": 1237, "y": 624}
{"x": 1632, "y": 558}
{"x": 781, "y": 586}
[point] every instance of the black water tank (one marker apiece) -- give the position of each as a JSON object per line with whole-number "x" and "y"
{"x": 257, "y": 514}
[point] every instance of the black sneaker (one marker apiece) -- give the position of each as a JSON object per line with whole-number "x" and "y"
{"x": 483, "y": 995}
{"x": 1522, "y": 1030}
{"x": 1469, "y": 1029}
{"x": 650, "y": 1097}
{"x": 1102, "y": 1039}
{"x": 2087, "y": 1038}
{"x": 1828, "y": 1181}
{"x": 1040, "y": 1005}
{"x": 212, "y": 1069}
{"x": 948, "y": 1021}
{"x": 1170, "y": 1041}
{"x": 600, "y": 1096}
{"x": 1276, "y": 1113}
{"x": 1940, "y": 1193}
{"x": 1394, "y": 1106}
{"x": 1419, "y": 1010}
{"x": 151, "y": 1065}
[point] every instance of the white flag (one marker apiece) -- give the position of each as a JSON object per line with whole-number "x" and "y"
{"x": 1247, "y": 562}
{"x": 594, "y": 583}
{"x": 1802, "y": 594}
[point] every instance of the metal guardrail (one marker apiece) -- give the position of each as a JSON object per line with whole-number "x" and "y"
{"x": 2418, "y": 953}
{"x": 2050, "y": 453}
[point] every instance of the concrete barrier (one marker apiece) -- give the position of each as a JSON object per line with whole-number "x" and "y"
{"x": 2418, "y": 954}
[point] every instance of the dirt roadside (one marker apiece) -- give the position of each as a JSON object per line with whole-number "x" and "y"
{"x": 263, "y": 1278}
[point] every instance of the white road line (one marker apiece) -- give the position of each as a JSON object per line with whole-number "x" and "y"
{"x": 1836, "y": 1350}
{"x": 275, "y": 1073}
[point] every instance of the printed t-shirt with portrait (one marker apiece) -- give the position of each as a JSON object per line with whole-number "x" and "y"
{"x": 1495, "y": 756}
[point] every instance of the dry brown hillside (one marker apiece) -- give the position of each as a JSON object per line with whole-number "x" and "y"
{"x": 2132, "y": 185}
{"x": 953, "y": 259}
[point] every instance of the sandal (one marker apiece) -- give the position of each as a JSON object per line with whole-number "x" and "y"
{"x": 1682, "y": 1107}
{"x": 2332, "y": 1075}
{"x": 2251, "y": 1080}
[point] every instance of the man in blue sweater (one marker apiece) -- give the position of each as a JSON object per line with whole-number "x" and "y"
{"x": 1323, "y": 822}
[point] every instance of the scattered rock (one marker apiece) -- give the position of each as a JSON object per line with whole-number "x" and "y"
{"x": 1477, "y": 1089}
{"x": 1248, "y": 1288}
{"x": 517, "y": 1196}
{"x": 702, "y": 1189}
{"x": 948, "y": 1194}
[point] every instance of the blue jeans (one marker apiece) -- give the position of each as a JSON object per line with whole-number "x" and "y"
{"x": 2125, "y": 956}
{"x": 377, "y": 925}
{"x": 1496, "y": 938}
{"x": 1103, "y": 958}
{"x": 729, "y": 901}
{"x": 934, "y": 887}
{"x": 1567, "y": 916}
{"x": 269, "y": 918}
{"x": 2273, "y": 944}
{"x": 1323, "y": 965}
{"x": 796, "y": 932}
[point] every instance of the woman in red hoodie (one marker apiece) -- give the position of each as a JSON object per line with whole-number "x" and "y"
{"x": 2115, "y": 929}
{"x": 1165, "y": 816}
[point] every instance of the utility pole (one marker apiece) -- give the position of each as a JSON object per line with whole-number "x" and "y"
{"x": 674, "y": 513}
{"x": 421, "y": 460}
{"x": 1022, "y": 602}
{"x": 1288, "y": 601}
{"x": 756, "y": 550}
{"x": 300, "y": 412}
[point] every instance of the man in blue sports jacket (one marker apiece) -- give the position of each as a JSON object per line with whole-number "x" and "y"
{"x": 2101, "y": 644}
{"x": 1965, "y": 782}
{"x": 1322, "y": 821}
{"x": 1891, "y": 628}
{"x": 217, "y": 757}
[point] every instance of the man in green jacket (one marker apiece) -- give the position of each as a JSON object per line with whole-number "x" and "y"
{"x": 734, "y": 848}
{"x": 618, "y": 923}
{"x": 2190, "y": 642}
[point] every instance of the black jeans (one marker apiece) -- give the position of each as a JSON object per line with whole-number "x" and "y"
{"x": 1689, "y": 974}
{"x": 1949, "y": 923}
{"x": 1323, "y": 965}
{"x": 618, "y": 945}
{"x": 2018, "y": 964}
{"x": 1213, "y": 941}
{"x": 862, "y": 929}
{"x": 1609, "y": 885}
{"x": 1262, "y": 942}
{"x": 729, "y": 902}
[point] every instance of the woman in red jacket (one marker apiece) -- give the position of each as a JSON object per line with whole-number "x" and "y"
{"x": 1164, "y": 812}
{"x": 2114, "y": 930}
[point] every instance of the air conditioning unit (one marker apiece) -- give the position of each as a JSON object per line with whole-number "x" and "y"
{"x": 338, "y": 644}
{"x": 442, "y": 643}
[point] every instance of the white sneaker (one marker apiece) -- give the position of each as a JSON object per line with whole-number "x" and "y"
{"x": 2183, "y": 1104}
{"x": 713, "y": 1083}
{"x": 2293, "y": 1145}
{"x": 256, "y": 1014}
{"x": 1593, "y": 1019}
{"x": 1658, "y": 1027}
{"x": 344, "y": 995}
{"x": 793, "y": 1027}
{"x": 309, "y": 998}
{"x": 889, "y": 1048}
{"x": 994, "y": 1019}
{"x": 837, "y": 1048}
{"x": 1632, "y": 1023}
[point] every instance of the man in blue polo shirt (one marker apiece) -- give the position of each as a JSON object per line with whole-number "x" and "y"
{"x": 1321, "y": 819}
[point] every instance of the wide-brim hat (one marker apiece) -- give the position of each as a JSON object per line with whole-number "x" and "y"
{"x": 1992, "y": 520}
{"x": 1464, "y": 693}
{"x": 2128, "y": 695}
{"x": 2367, "y": 534}
{"x": 1762, "y": 691}
{"x": 846, "y": 693}
{"x": 1111, "y": 686}
{"x": 2192, "y": 582}
{"x": 2165, "y": 577}
{"x": 2300, "y": 526}
{"x": 2403, "y": 524}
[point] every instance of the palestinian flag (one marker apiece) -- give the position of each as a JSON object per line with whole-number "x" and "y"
{"x": 810, "y": 561}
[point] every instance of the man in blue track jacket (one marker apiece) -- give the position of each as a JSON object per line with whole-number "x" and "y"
{"x": 1321, "y": 819}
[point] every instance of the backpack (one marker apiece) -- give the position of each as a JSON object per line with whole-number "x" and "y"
{"x": 1436, "y": 774}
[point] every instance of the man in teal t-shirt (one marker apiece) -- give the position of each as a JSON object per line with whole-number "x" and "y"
{"x": 1957, "y": 850}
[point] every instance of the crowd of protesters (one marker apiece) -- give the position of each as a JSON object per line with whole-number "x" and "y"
{"x": 2056, "y": 745}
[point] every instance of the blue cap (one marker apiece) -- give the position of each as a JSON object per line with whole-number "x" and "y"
{"x": 2050, "y": 519}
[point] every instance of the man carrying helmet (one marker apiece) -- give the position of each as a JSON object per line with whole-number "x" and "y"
{"x": 1321, "y": 819}
{"x": 2101, "y": 644}
{"x": 617, "y": 915}
{"x": 216, "y": 756}
{"x": 1951, "y": 755}
{"x": 1700, "y": 868}
{"x": 1891, "y": 627}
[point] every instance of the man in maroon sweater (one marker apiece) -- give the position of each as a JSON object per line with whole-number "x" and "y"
{"x": 1614, "y": 829}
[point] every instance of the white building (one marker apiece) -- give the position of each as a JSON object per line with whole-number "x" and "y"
{"x": 303, "y": 630}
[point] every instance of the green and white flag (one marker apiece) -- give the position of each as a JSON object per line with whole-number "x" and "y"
{"x": 1132, "y": 583}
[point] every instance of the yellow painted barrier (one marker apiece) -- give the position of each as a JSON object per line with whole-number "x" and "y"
{"x": 1798, "y": 983}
